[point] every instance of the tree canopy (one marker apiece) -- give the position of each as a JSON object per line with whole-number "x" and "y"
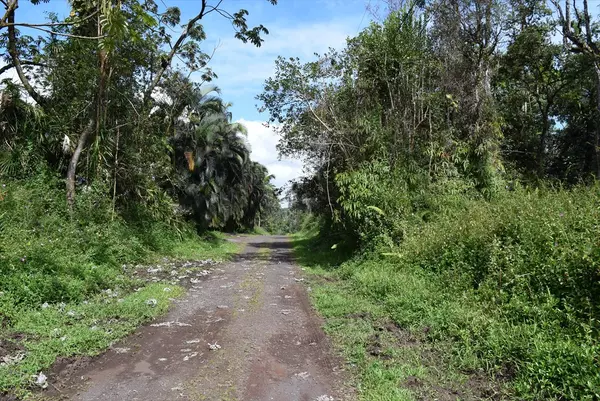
{"x": 112, "y": 106}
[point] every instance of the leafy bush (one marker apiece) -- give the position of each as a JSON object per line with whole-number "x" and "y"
{"x": 513, "y": 285}
{"x": 48, "y": 256}
{"x": 380, "y": 203}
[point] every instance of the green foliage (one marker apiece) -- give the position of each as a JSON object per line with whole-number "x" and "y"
{"x": 373, "y": 202}
{"x": 47, "y": 256}
{"x": 420, "y": 135}
{"x": 94, "y": 69}
{"x": 284, "y": 220}
{"x": 509, "y": 285}
{"x": 215, "y": 180}
{"x": 115, "y": 116}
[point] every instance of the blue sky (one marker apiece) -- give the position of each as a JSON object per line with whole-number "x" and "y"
{"x": 297, "y": 28}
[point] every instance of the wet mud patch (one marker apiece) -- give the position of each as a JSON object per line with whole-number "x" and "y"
{"x": 10, "y": 347}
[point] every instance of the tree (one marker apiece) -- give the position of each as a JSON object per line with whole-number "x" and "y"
{"x": 529, "y": 82}
{"x": 580, "y": 33}
{"x": 109, "y": 25}
{"x": 466, "y": 34}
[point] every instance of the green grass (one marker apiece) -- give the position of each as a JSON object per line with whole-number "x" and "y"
{"x": 260, "y": 231}
{"x": 491, "y": 297}
{"x": 212, "y": 245}
{"x": 65, "y": 287}
{"x": 390, "y": 361}
{"x": 72, "y": 329}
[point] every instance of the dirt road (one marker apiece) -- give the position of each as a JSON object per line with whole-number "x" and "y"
{"x": 245, "y": 332}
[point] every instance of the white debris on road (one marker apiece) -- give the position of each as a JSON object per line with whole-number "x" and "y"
{"x": 214, "y": 347}
{"x": 10, "y": 360}
{"x": 190, "y": 356}
{"x": 169, "y": 324}
{"x": 41, "y": 380}
{"x": 121, "y": 350}
{"x": 303, "y": 375}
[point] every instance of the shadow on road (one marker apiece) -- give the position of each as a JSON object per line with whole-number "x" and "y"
{"x": 273, "y": 248}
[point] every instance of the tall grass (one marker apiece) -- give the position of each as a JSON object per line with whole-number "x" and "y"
{"x": 510, "y": 287}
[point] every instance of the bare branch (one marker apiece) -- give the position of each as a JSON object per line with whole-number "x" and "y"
{"x": 12, "y": 50}
{"x": 48, "y": 24}
{"x": 10, "y": 9}
{"x": 68, "y": 35}
{"x": 23, "y": 62}
{"x": 588, "y": 29}
{"x": 174, "y": 50}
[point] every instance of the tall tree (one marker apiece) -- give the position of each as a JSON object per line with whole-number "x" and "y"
{"x": 466, "y": 35}
{"x": 529, "y": 83}
{"x": 580, "y": 34}
{"x": 108, "y": 24}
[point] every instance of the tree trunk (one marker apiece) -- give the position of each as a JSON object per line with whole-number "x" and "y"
{"x": 541, "y": 153}
{"x": 597, "y": 131}
{"x": 93, "y": 125}
{"x": 114, "y": 200}
{"x": 83, "y": 138}
{"x": 12, "y": 51}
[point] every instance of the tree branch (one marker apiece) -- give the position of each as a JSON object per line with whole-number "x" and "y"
{"x": 48, "y": 24}
{"x": 176, "y": 46}
{"x": 68, "y": 35}
{"x": 23, "y": 63}
{"x": 10, "y": 9}
{"x": 12, "y": 50}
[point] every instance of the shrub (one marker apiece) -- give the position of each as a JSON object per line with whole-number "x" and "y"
{"x": 512, "y": 283}
{"x": 48, "y": 256}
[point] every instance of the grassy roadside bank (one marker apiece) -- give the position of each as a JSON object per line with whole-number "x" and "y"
{"x": 495, "y": 300}
{"x": 390, "y": 362}
{"x": 74, "y": 286}
{"x": 36, "y": 336}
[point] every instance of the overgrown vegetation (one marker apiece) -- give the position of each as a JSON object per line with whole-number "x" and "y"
{"x": 454, "y": 154}
{"x": 113, "y": 160}
{"x": 507, "y": 287}
{"x": 454, "y": 149}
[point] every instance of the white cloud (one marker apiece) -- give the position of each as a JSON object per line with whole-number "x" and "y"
{"x": 263, "y": 141}
{"x": 242, "y": 67}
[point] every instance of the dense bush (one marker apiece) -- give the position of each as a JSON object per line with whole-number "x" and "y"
{"x": 48, "y": 256}
{"x": 513, "y": 284}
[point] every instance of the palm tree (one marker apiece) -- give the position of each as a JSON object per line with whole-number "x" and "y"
{"x": 210, "y": 156}
{"x": 215, "y": 180}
